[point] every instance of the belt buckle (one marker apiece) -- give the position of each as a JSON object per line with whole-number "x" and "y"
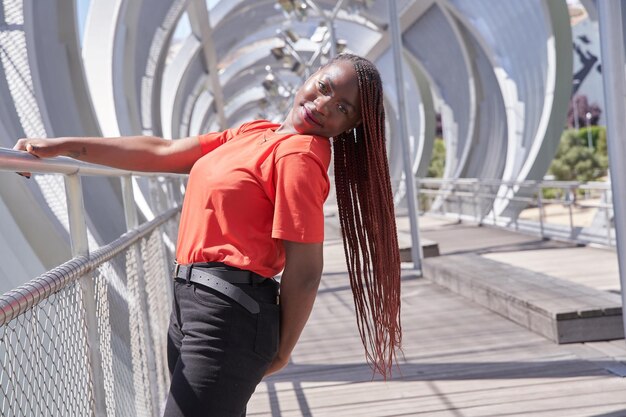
{"x": 187, "y": 271}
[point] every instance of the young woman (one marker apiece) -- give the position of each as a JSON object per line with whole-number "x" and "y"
{"x": 254, "y": 207}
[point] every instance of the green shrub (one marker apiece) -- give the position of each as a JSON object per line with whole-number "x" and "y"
{"x": 438, "y": 160}
{"x": 551, "y": 193}
{"x": 575, "y": 161}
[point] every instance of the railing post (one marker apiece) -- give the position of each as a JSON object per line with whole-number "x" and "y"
{"x": 459, "y": 197}
{"x": 409, "y": 178}
{"x": 540, "y": 207}
{"x": 128, "y": 197}
{"x": 80, "y": 247}
{"x": 493, "y": 207}
{"x": 611, "y": 22}
{"x": 483, "y": 201}
{"x": 607, "y": 218}
{"x": 171, "y": 202}
{"x": 475, "y": 201}
{"x": 132, "y": 222}
{"x": 570, "y": 203}
{"x": 418, "y": 188}
{"x": 163, "y": 199}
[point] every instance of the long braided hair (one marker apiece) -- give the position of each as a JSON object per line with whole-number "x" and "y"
{"x": 366, "y": 215}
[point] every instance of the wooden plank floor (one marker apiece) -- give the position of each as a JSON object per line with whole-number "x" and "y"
{"x": 459, "y": 360}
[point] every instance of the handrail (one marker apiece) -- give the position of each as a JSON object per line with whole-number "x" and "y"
{"x": 27, "y": 296}
{"x": 514, "y": 183}
{"x": 475, "y": 198}
{"x": 21, "y": 161}
{"x": 21, "y": 300}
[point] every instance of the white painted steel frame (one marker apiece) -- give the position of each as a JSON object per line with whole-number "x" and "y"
{"x": 80, "y": 249}
{"x": 396, "y": 45}
{"x": 611, "y": 18}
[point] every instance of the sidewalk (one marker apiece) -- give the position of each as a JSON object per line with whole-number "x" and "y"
{"x": 460, "y": 359}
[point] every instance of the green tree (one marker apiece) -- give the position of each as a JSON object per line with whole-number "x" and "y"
{"x": 601, "y": 148}
{"x": 438, "y": 160}
{"x": 575, "y": 161}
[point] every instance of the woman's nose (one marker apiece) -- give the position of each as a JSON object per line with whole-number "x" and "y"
{"x": 321, "y": 103}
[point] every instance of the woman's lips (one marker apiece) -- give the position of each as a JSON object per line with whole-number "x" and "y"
{"x": 308, "y": 115}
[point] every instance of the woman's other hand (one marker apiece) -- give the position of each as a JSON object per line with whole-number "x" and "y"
{"x": 277, "y": 364}
{"x": 298, "y": 289}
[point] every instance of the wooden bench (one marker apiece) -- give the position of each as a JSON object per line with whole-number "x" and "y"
{"x": 429, "y": 248}
{"x": 560, "y": 310}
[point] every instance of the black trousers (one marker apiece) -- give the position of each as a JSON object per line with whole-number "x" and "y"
{"x": 217, "y": 350}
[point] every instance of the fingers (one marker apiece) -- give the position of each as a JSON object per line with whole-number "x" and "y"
{"x": 20, "y": 145}
{"x": 25, "y": 145}
{"x": 277, "y": 364}
{"x": 41, "y": 148}
{"x": 33, "y": 149}
{"x": 36, "y": 147}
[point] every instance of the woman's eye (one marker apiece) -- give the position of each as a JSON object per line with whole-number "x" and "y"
{"x": 321, "y": 86}
{"x": 343, "y": 109}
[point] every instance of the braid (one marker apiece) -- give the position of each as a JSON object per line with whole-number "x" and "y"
{"x": 366, "y": 215}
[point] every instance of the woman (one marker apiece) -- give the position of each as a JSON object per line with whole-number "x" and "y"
{"x": 253, "y": 207}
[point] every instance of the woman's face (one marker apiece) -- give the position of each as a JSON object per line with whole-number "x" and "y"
{"x": 328, "y": 102}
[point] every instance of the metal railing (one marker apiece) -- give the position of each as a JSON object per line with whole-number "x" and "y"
{"x": 574, "y": 211}
{"x": 89, "y": 336}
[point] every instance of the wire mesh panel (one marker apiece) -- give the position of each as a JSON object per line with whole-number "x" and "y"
{"x": 44, "y": 352}
{"x": 157, "y": 278}
{"x": 44, "y": 369}
{"x": 138, "y": 341}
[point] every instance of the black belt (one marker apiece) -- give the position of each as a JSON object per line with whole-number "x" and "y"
{"x": 222, "y": 281}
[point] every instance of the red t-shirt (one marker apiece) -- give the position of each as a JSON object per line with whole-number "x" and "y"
{"x": 252, "y": 189}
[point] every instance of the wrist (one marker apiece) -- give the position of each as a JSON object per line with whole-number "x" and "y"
{"x": 282, "y": 357}
{"x": 66, "y": 147}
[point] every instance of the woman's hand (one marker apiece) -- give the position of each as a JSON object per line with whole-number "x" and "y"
{"x": 41, "y": 148}
{"x": 277, "y": 364}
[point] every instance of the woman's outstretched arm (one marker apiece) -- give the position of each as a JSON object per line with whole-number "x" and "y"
{"x": 298, "y": 289}
{"x": 133, "y": 153}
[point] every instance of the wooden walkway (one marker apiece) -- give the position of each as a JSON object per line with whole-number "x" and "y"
{"x": 459, "y": 359}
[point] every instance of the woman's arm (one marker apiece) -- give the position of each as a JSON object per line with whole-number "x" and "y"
{"x": 133, "y": 153}
{"x": 298, "y": 289}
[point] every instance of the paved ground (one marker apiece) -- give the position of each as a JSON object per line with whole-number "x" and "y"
{"x": 459, "y": 358}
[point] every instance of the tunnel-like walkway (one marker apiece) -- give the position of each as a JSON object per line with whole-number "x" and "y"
{"x": 520, "y": 312}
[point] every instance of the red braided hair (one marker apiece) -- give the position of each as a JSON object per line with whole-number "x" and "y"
{"x": 367, "y": 219}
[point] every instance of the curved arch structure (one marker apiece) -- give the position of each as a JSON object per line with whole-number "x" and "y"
{"x": 498, "y": 71}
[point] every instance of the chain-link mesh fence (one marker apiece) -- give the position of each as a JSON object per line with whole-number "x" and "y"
{"x": 45, "y": 367}
{"x": 44, "y": 370}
